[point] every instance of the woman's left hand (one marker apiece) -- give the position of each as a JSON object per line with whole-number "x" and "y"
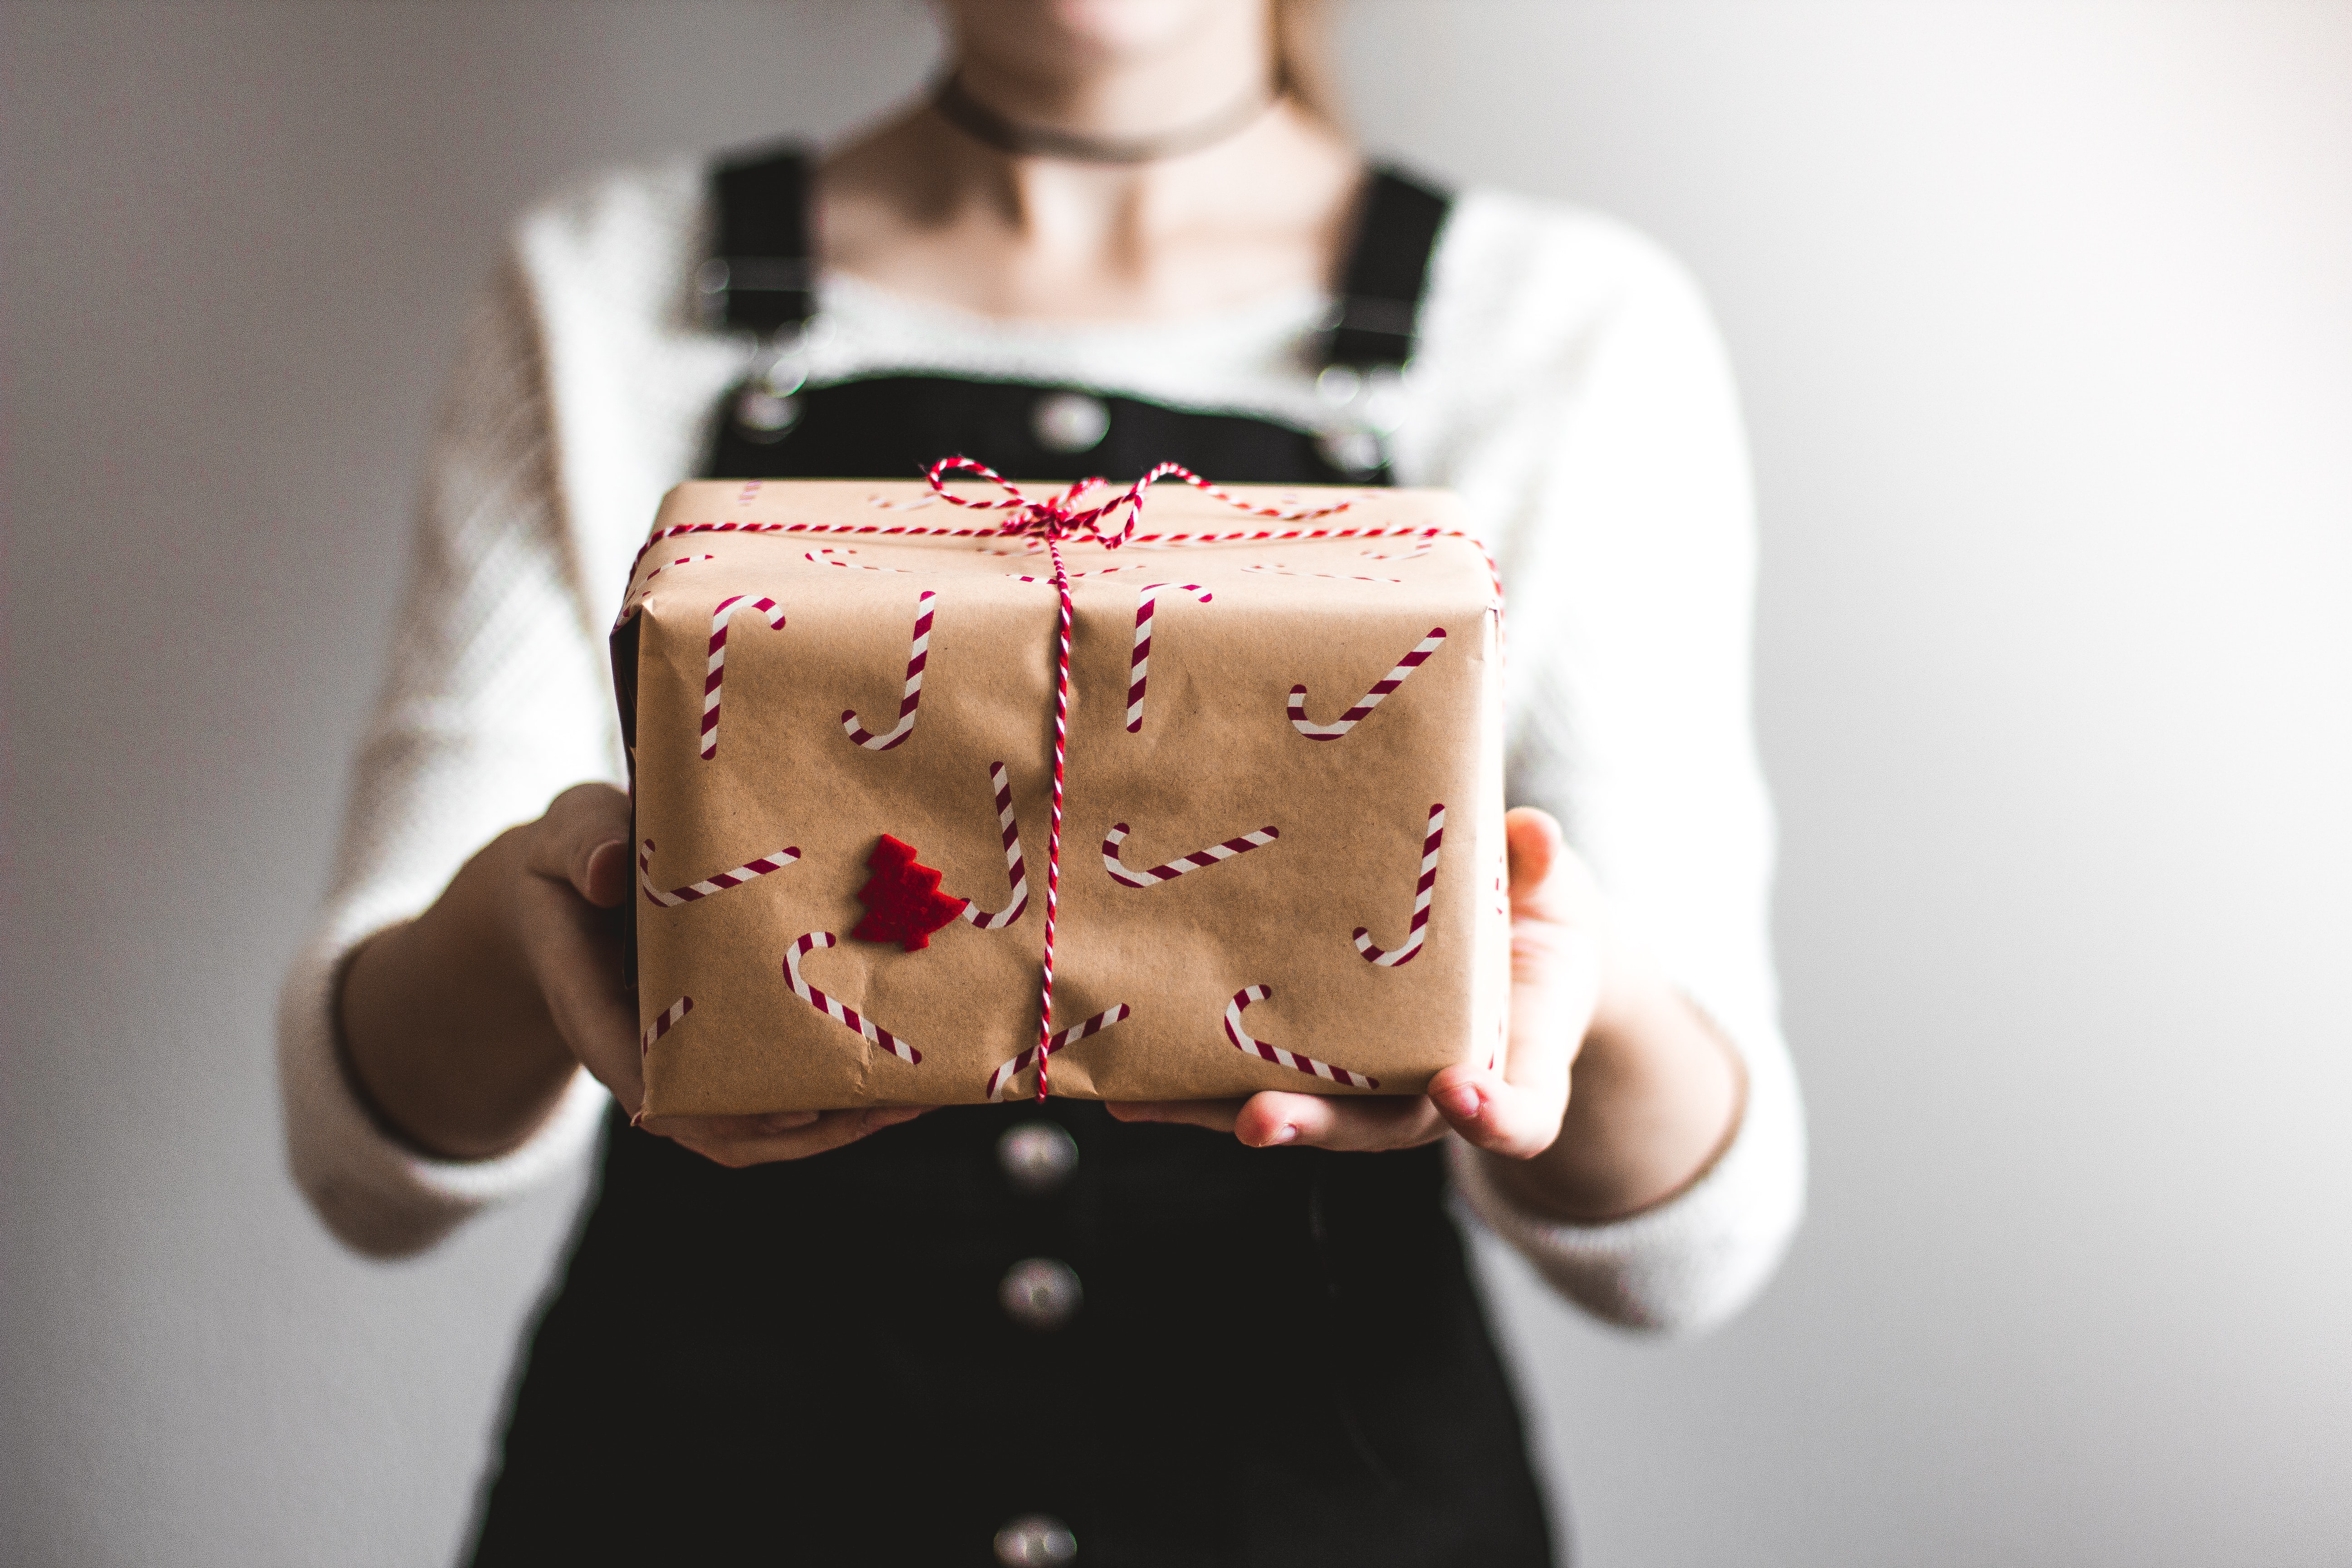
{"x": 1556, "y": 961}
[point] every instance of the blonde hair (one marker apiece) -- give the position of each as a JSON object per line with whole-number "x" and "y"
{"x": 1302, "y": 57}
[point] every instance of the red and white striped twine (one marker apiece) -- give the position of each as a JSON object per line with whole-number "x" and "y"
{"x": 875, "y": 1033}
{"x": 1371, "y": 699}
{"x": 916, "y": 657}
{"x": 715, "y": 672}
{"x": 1001, "y": 1078}
{"x": 774, "y": 861}
{"x": 1276, "y": 1053}
{"x": 1117, "y": 836}
{"x": 1015, "y": 872}
{"x": 1139, "y": 661}
{"x": 1422, "y": 892}
{"x": 664, "y": 1023}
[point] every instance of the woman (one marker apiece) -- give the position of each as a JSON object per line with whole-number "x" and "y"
{"x": 1165, "y": 1333}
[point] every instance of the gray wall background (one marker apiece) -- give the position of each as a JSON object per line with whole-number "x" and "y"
{"x": 2044, "y": 317}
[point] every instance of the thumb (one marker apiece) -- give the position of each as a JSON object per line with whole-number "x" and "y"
{"x": 1515, "y": 1107}
{"x": 584, "y": 840}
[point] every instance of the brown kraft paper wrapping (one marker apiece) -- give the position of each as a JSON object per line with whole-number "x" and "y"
{"x": 1217, "y": 757}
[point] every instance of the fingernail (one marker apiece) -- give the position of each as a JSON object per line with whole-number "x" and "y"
{"x": 787, "y": 1120}
{"x": 1461, "y": 1102}
{"x": 1285, "y": 1133}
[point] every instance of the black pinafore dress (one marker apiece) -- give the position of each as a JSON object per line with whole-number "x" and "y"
{"x": 1020, "y": 1334}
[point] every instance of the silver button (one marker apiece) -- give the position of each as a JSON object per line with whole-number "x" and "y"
{"x": 1040, "y": 1293}
{"x": 1352, "y": 451}
{"x": 1035, "y": 1539}
{"x": 1037, "y": 1156}
{"x": 1069, "y": 422}
{"x": 766, "y": 414}
{"x": 1338, "y": 384}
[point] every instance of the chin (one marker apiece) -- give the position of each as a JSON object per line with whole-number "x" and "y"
{"x": 1060, "y": 34}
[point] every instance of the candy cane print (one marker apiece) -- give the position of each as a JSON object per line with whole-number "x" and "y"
{"x": 1001, "y": 1078}
{"x": 716, "y": 671}
{"x": 824, "y": 558}
{"x": 1178, "y": 866}
{"x": 1415, "y": 554}
{"x": 664, "y": 1025}
{"x": 1277, "y": 569}
{"x": 1422, "y": 890}
{"x": 1276, "y": 1053}
{"x": 916, "y": 657}
{"x": 774, "y": 861}
{"x": 1015, "y": 871}
{"x": 636, "y": 595}
{"x": 1380, "y": 688}
{"x": 1146, "y": 598}
{"x": 876, "y": 1034}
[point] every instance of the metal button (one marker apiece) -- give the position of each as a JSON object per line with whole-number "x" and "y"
{"x": 1069, "y": 422}
{"x": 1037, "y": 1156}
{"x": 1040, "y": 1293}
{"x": 1352, "y": 451}
{"x": 766, "y": 414}
{"x": 1034, "y": 1541}
{"x": 1339, "y": 384}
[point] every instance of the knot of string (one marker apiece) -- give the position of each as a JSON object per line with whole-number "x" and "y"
{"x": 1058, "y": 517}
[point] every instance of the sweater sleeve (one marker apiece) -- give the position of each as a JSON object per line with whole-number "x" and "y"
{"x": 1616, "y": 470}
{"x": 497, "y": 700}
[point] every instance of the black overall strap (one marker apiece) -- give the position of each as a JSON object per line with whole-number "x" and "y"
{"x": 1379, "y": 303}
{"x": 761, "y": 279}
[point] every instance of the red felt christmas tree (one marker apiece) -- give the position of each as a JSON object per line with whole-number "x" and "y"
{"x": 902, "y": 899}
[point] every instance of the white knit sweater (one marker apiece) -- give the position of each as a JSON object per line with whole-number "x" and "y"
{"x": 1569, "y": 384}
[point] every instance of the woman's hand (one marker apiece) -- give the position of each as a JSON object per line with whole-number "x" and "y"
{"x": 1657, "y": 1091}
{"x": 1513, "y": 1109}
{"x": 465, "y": 1024}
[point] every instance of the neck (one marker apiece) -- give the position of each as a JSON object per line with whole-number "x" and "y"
{"x": 936, "y": 212}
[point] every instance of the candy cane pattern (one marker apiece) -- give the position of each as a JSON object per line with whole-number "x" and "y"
{"x": 1415, "y": 554}
{"x": 716, "y": 671}
{"x": 824, "y": 558}
{"x": 810, "y": 942}
{"x": 916, "y": 657}
{"x": 1001, "y": 1078}
{"x": 1380, "y": 688}
{"x": 1276, "y": 1053}
{"x": 1074, "y": 576}
{"x": 1137, "y": 662}
{"x": 681, "y": 561}
{"x": 1279, "y": 570}
{"x": 774, "y": 861}
{"x": 1177, "y": 868}
{"x": 1421, "y": 893}
{"x": 636, "y": 595}
{"x": 1015, "y": 872}
{"x": 664, "y": 1025}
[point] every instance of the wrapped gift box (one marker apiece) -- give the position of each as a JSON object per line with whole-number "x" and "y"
{"x": 1282, "y": 863}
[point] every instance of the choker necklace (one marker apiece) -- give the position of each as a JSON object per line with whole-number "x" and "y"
{"x": 976, "y": 119}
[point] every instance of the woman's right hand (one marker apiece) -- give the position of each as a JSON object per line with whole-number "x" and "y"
{"x": 465, "y": 1024}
